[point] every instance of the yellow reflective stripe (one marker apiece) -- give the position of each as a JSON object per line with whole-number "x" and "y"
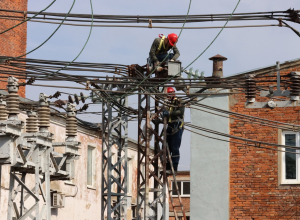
{"x": 161, "y": 44}
{"x": 171, "y": 109}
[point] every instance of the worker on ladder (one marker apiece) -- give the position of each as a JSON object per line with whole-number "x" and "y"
{"x": 175, "y": 115}
{"x": 161, "y": 46}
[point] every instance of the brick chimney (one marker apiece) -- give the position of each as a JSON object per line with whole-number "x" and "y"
{"x": 13, "y": 42}
{"x": 218, "y": 65}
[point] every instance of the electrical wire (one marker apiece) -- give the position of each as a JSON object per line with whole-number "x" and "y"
{"x": 259, "y": 143}
{"x": 48, "y": 37}
{"x": 90, "y": 33}
{"x": 245, "y": 144}
{"x": 288, "y": 15}
{"x": 28, "y": 19}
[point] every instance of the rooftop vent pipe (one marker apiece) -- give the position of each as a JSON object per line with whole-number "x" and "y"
{"x": 218, "y": 65}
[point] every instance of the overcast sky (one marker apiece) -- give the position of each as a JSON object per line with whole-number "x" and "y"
{"x": 245, "y": 48}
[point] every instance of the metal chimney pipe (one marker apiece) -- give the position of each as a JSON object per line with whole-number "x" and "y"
{"x": 218, "y": 65}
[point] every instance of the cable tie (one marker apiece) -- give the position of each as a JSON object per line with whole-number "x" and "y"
{"x": 25, "y": 15}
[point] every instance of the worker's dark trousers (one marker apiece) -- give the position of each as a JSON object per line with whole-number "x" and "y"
{"x": 174, "y": 141}
{"x": 161, "y": 57}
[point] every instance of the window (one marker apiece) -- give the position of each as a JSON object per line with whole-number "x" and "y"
{"x": 187, "y": 218}
{"x": 91, "y": 165}
{"x": 290, "y": 161}
{"x": 183, "y": 187}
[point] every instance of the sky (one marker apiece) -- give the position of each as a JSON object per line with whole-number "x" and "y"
{"x": 245, "y": 48}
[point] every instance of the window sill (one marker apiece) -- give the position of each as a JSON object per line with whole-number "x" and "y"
{"x": 90, "y": 187}
{"x": 181, "y": 196}
{"x": 69, "y": 183}
{"x": 284, "y": 184}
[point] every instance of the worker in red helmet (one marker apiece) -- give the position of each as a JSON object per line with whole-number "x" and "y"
{"x": 161, "y": 46}
{"x": 175, "y": 115}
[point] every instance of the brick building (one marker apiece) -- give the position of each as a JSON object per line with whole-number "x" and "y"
{"x": 244, "y": 180}
{"x": 13, "y": 42}
{"x": 183, "y": 181}
{"x": 264, "y": 184}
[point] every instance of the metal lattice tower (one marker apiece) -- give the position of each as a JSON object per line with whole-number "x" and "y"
{"x": 151, "y": 208}
{"x": 114, "y": 172}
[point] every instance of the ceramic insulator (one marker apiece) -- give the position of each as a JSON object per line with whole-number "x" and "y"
{"x": 44, "y": 116}
{"x": 12, "y": 101}
{"x": 3, "y": 113}
{"x": 71, "y": 127}
{"x": 31, "y": 124}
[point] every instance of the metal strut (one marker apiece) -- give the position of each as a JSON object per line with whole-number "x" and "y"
{"x": 151, "y": 183}
{"x": 114, "y": 185}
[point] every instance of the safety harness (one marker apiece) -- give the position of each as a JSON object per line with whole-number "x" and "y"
{"x": 161, "y": 44}
{"x": 180, "y": 121}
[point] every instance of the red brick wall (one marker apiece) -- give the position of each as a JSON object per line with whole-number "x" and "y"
{"x": 13, "y": 42}
{"x": 254, "y": 190}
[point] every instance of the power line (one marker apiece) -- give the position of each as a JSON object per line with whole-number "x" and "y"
{"x": 28, "y": 19}
{"x": 244, "y": 144}
{"x": 49, "y": 36}
{"x": 288, "y": 15}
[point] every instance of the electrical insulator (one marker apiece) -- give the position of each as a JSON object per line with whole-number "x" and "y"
{"x": 12, "y": 98}
{"x": 250, "y": 88}
{"x": 31, "y": 122}
{"x": 3, "y": 111}
{"x": 71, "y": 123}
{"x": 79, "y": 98}
{"x": 44, "y": 113}
{"x": 295, "y": 86}
{"x": 271, "y": 104}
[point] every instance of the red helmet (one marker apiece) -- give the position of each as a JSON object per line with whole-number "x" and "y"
{"x": 172, "y": 39}
{"x": 170, "y": 90}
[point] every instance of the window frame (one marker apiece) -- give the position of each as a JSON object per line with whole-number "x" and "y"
{"x": 282, "y": 158}
{"x": 93, "y": 166}
{"x": 181, "y": 188}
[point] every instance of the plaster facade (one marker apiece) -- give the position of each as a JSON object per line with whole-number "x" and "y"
{"x": 82, "y": 201}
{"x": 210, "y": 164}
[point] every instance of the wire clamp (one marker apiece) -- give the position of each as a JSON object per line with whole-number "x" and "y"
{"x": 258, "y": 145}
{"x": 150, "y": 23}
{"x": 25, "y": 15}
{"x": 87, "y": 85}
{"x": 280, "y": 22}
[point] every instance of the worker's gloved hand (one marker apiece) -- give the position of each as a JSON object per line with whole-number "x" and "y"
{"x": 165, "y": 113}
{"x": 156, "y": 64}
{"x": 172, "y": 60}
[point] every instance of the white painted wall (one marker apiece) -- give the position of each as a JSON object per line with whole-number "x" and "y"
{"x": 210, "y": 164}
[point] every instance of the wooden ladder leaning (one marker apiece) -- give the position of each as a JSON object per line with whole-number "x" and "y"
{"x": 174, "y": 206}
